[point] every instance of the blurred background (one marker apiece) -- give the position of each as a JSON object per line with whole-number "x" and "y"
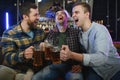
{"x": 106, "y": 12}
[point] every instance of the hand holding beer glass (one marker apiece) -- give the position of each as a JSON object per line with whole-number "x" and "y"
{"x": 52, "y": 52}
{"x": 37, "y": 55}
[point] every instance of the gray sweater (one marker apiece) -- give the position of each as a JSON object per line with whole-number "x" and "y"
{"x": 101, "y": 54}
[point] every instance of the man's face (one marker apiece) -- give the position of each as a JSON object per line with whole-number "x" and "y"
{"x": 33, "y": 18}
{"x": 60, "y": 17}
{"x": 79, "y": 15}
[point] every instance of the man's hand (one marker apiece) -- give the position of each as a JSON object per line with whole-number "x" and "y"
{"x": 76, "y": 68}
{"x": 42, "y": 46}
{"x": 28, "y": 53}
{"x": 65, "y": 53}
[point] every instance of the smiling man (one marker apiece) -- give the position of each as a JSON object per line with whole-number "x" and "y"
{"x": 62, "y": 34}
{"x": 101, "y": 58}
{"x": 18, "y": 41}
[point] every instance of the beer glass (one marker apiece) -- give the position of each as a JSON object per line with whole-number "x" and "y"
{"x": 37, "y": 56}
{"x": 56, "y": 55}
{"x": 48, "y": 50}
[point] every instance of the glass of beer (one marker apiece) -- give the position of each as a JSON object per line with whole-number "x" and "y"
{"x": 37, "y": 56}
{"x": 56, "y": 55}
{"x": 48, "y": 51}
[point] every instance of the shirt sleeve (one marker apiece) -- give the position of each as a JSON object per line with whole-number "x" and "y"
{"x": 9, "y": 50}
{"x": 86, "y": 59}
{"x": 100, "y": 49}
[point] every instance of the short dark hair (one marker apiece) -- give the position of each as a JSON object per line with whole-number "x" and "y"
{"x": 85, "y": 5}
{"x": 25, "y": 8}
{"x": 58, "y": 8}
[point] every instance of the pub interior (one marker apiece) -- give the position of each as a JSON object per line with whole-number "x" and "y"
{"x": 105, "y": 12}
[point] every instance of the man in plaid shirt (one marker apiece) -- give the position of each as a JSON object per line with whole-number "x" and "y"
{"x": 17, "y": 42}
{"x": 62, "y": 34}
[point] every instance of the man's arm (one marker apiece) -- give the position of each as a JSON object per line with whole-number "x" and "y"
{"x": 97, "y": 56}
{"x": 10, "y": 51}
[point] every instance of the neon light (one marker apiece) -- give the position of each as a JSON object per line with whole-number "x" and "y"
{"x": 7, "y": 20}
{"x": 39, "y": 0}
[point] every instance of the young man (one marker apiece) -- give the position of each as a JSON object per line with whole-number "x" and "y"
{"x": 18, "y": 41}
{"x": 60, "y": 35}
{"x": 101, "y": 58}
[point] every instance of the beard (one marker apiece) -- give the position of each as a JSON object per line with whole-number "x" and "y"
{"x": 32, "y": 25}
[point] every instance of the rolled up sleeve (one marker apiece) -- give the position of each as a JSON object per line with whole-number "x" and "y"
{"x": 86, "y": 59}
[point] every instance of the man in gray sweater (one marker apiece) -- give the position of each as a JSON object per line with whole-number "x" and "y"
{"x": 101, "y": 59}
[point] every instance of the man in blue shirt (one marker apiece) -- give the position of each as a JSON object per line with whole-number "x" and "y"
{"x": 101, "y": 59}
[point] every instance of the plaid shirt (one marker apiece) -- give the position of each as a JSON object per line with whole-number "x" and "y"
{"x": 15, "y": 41}
{"x": 72, "y": 39}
